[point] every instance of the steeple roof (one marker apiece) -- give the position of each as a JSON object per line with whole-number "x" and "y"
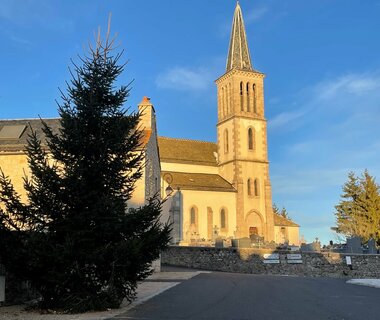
{"x": 238, "y": 53}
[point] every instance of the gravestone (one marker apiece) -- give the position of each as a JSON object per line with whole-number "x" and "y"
{"x": 241, "y": 243}
{"x": 354, "y": 245}
{"x": 219, "y": 243}
{"x": 372, "y": 246}
{"x": 311, "y": 247}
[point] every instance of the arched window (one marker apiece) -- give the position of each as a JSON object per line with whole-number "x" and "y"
{"x": 241, "y": 97}
{"x": 256, "y": 186}
{"x": 248, "y": 102}
{"x": 226, "y": 141}
{"x": 193, "y": 216}
{"x": 251, "y": 138}
{"x": 249, "y": 187}
{"x": 223, "y": 219}
{"x": 229, "y": 99}
{"x": 254, "y": 98}
{"x": 225, "y": 101}
{"x": 222, "y": 103}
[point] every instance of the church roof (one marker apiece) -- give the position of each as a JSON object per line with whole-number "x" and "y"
{"x": 238, "y": 53}
{"x": 283, "y": 222}
{"x": 14, "y": 133}
{"x": 187, "y": 151}
{"x": 198, "y": 181}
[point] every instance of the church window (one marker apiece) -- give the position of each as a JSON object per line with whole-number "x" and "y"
{"x": 241, "y": 97}
{"x": 254, "y": 98}
{"x": 193, "y": 216}
{"x": 249, "y": 187}
{"x": 222, "y": 103}
{"x": 229, "y": 99}
{"x": 256, "y": 187}
{"x": 225, "y": 101}
{"x": 251, "y": 138}
{"x": 223, "y": 219}
{"x": 226, "y": 141}
{"x": 248, "y": 102}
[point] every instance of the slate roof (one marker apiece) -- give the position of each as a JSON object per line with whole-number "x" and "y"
{"x": 283, "y": 222}
{"x": 187, "y": 151}
{"x": 18, "y": 144}
{"x": 197, "y": 181}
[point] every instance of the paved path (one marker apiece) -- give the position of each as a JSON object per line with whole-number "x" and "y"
{"x": 154, "y": 285}
{"x": 241, "y": 296}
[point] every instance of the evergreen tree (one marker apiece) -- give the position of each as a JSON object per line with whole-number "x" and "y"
{"x": 75, "y": 239}
{"x": 283, "y": 212}
{"x": 275, "y": 209}
{"x": 358, "y": 213}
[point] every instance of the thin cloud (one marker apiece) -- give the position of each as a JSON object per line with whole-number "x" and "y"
{"x": 284, "y": 119}
{"x": 308, "y": 180}
{"x": 356, "y": 84}
{"x": 345, "y": 92}
{"x": 21, "y": 41}
{"x": 255, "y": 14}
{"x": 185, "y": 79}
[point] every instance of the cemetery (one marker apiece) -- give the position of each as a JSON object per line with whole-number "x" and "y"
{"x": 351, "y": 260}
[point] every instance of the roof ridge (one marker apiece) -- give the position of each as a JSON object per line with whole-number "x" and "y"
{"x": 201, "y": 173}
{"x": 26, "y": 119}
{"x": 185, "y": 139}
{"x": 287, "y": 219}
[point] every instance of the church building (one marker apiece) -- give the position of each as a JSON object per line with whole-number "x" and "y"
{"x": 223, "y": 190}
{"x": 211, "y": 190}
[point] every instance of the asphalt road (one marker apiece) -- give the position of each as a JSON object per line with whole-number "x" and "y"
{"x": 241, "y": 296}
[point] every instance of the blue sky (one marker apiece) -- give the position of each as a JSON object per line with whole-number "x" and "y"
{"x": 322, "y": 90}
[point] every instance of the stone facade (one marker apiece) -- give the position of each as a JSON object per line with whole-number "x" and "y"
{"x": 252, "y": 261}
{"x": 240, "y": 157}
{"x": 243, "y": 150}
{"x": 15, "y": 165}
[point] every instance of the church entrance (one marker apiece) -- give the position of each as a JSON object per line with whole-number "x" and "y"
{"x": 254, "y": 222}
{"x": 253, "y": 231}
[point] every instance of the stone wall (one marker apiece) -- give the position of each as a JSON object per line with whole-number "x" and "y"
{"x": 252, "y": 261}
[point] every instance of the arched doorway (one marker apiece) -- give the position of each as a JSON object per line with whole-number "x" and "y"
{"x": 255, "y": 223}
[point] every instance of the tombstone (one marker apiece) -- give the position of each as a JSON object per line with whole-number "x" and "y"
{"x": 219, "y": 243}
{"x": 241, "y": 243}
{"x": 354, "y": 245}
{"x": 256, "y": 239}
{"x": 372, "y": 246}
{"x": 311, "y": 247}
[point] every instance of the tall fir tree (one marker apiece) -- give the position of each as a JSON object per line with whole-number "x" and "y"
{"x": 75, "y": 239}
{"x": 358, "y": 212}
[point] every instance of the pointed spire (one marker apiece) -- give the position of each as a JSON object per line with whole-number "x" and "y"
{"x": 238, "y": 53}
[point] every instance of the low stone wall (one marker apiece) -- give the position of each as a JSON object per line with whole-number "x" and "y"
{"x": 252, "y": 261}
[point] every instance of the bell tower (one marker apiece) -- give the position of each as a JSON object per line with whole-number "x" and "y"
{"x": 242, "y": 136}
